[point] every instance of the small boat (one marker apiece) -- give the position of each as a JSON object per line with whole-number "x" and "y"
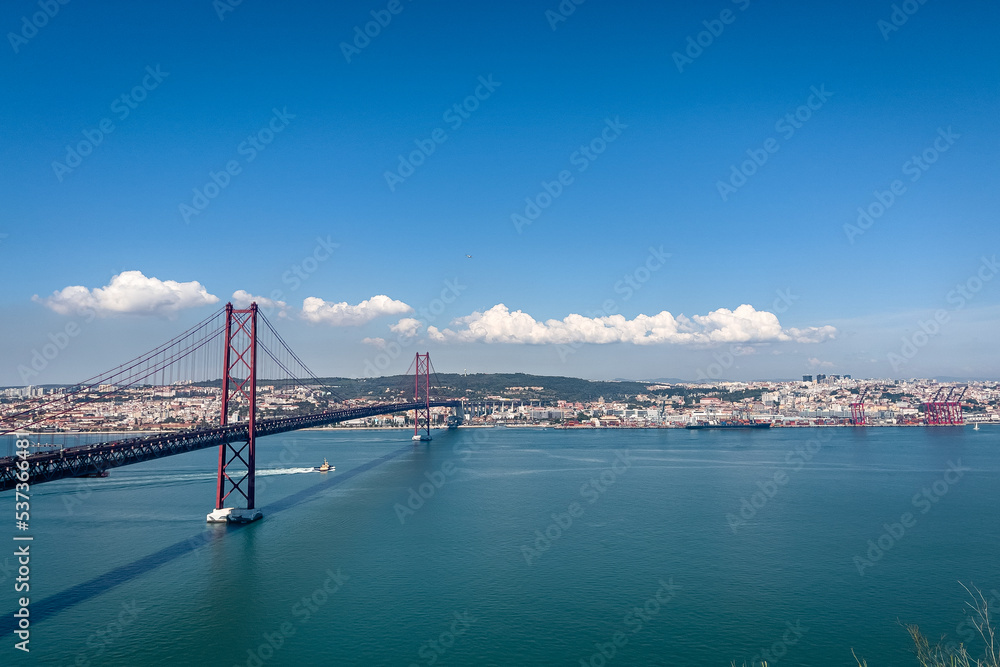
{"x": 421, "y": 437}
{"x": 99, "y": 473}
{"x": 976, "y": 427}
{"x": 326, "y": 467}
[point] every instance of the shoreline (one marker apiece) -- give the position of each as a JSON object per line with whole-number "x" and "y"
{"x": 129, "y": 434}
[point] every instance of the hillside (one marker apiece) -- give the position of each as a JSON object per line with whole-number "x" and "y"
{"x": 547, "y": 388}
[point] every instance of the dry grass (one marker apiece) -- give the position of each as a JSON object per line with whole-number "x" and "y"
{"x": 941, "y": 656}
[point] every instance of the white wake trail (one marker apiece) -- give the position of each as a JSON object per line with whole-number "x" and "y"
{"x": 284, "y": 471}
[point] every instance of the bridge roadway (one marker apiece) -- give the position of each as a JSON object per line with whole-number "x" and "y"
{"x": 90, "y": 459}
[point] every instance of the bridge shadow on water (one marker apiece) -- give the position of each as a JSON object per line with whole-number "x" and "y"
{"x": 54, "y": 604}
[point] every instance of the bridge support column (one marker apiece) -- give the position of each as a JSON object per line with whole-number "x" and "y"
{"x": 237, "y": 463}
{"x": 423, "y": 363}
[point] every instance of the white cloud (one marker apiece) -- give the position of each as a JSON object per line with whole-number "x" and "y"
{"x": 816, "y": 363}
{"x": 407, "y": 327}
{"x": 743, "y": 325}
{"x": 813, "y": 334}
{"x": 129, "y": 292}
{"x": 243, "y": 299}
{"x": 343, "y": 314}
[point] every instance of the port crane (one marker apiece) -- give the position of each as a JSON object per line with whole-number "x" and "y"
{"x": 946, "y": 412}
{"x": 858, "y": 417}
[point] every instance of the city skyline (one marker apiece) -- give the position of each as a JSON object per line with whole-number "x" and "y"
{"x": 612, "y": 192}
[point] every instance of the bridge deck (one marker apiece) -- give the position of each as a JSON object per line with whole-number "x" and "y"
{"x": 90, "y": 459}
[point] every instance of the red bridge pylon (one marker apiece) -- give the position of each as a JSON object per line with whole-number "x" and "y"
{"x": 239, "y": 392}
{"x": 423, "y": 363}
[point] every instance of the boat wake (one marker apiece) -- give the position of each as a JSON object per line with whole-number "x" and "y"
{"x": 121, "y": 480}
{"x": 284, "y": 471}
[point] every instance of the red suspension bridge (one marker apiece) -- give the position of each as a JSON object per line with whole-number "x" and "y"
{"x": 249, "y": 348}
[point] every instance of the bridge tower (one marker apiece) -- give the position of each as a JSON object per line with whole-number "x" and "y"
{"x": 423, "y": 363}
{"x": 237, "y": 463}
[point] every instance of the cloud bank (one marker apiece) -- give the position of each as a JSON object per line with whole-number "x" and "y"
{"x": 129, "y": 293}
{"x": 500, "y": 325}
{"x": 343, "y": 314}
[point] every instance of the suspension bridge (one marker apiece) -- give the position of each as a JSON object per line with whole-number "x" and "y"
{"x": 242, "y": 344}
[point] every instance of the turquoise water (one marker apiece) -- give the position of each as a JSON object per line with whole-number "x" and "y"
{"x": 344, "y": 572}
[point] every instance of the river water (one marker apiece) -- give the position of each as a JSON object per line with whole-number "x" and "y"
{"x": 522, "y": 547}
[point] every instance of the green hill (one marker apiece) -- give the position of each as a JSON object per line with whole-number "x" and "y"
{"x": 547, "y": 388}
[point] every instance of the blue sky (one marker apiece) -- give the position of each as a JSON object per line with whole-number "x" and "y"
{"x": 852, "y": 300}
